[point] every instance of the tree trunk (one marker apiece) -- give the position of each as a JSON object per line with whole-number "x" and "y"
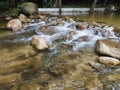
{"x": 60, "y": 7}
{"x": 105, "y": 2}
{"x": 57, "y": 3}
{"x": 93, "y": 6}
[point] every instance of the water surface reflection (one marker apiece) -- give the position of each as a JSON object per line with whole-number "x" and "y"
{"x": 109, "y": 18}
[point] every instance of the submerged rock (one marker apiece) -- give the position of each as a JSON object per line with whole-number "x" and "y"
{"x": 15, "y": 24}
{"x": 15, "y": 66}
{"x": 44, "y": 78}
{"x": 97, "y": 66}
{"x": 39, "y": 43}
{"x": 11, "y": 78}
{"x": 109, "y": 61}
{"x": 18, "y": 60}
{"x": 58, "y": 69}
{"x": 83, "y": 38}
{"x": 31, "y": 86}
{"x": 117, "y": 31}
{"x": 48, "y": 30}
{"x": 110, "y": 48}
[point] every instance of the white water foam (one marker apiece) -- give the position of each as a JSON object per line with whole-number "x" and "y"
{"x": 68, "y": 34}
{"x": 80, "y": 38}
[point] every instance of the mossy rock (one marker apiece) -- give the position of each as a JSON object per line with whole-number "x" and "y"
{"x": 30, "y": 8}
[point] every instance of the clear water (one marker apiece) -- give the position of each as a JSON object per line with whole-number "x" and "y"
{"x": 13, "y": 47}
{"x": 109, "y": 18}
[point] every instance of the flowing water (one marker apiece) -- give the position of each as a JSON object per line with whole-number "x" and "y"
{"x": 109, "y": 18}
{"x": 65, "y": 66}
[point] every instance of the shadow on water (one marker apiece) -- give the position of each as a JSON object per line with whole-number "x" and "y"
{"x": 9, "y": 39}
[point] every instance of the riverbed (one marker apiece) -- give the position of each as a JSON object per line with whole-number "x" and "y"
{"x": 62, "y": 67}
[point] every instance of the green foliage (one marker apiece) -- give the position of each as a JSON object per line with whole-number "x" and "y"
{"x": 48, "y": 3}
{"x": 4, "y": 5}
{"x": 19, "y": 8}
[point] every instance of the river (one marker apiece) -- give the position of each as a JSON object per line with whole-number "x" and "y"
{"x": 65, "y": 66}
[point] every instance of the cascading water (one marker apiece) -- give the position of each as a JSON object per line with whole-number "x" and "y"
{"x": 69, "y": 32}
{"x": 70, "y": 35}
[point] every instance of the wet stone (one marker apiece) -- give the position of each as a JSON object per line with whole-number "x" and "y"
{"x": 47, "y": 30}
{"x": 39, "y": 43}
{"x": 79, "y": 27}
{"x": 109, "y": 61}
{"x": 31, "y": 86}
{"x": 44, "y": 79}
{"x": 23, "y": 18}
{"x": 58, "y": 69}
{"x": 16, "y": 66}
{"x": 83, "y": 38}
{"x": 10, "y": 78}
{"x": 97, "y": 66}
{"x": 117, "y": 31}
{"x": 15, "y": 25}
{"x": 109, "y": 48}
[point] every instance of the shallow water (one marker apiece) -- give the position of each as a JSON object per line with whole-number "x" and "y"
{"x": 64, "y": 67}
{"x": 109, "y": 18}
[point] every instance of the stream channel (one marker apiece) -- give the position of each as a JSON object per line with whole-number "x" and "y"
{"x": 65, "y": 65}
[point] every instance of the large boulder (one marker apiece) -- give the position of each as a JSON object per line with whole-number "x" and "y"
{"x": 39, "y": 43}
{"x": 109, "y": 48}
{"x": 15, "y": 24}
{"x": 109, "y": 61}
{"x": 30, "y": 8}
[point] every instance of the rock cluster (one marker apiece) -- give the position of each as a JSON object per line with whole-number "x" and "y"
{"x": 28, "y": 8}
{"x": 15, "y": 25}
{"x": 110, "y": 51}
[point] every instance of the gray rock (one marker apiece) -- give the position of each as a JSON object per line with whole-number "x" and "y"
{"x": 109, "y": 48}
{"x": 109, "y": 61}
{"x": 30, "y": 8}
